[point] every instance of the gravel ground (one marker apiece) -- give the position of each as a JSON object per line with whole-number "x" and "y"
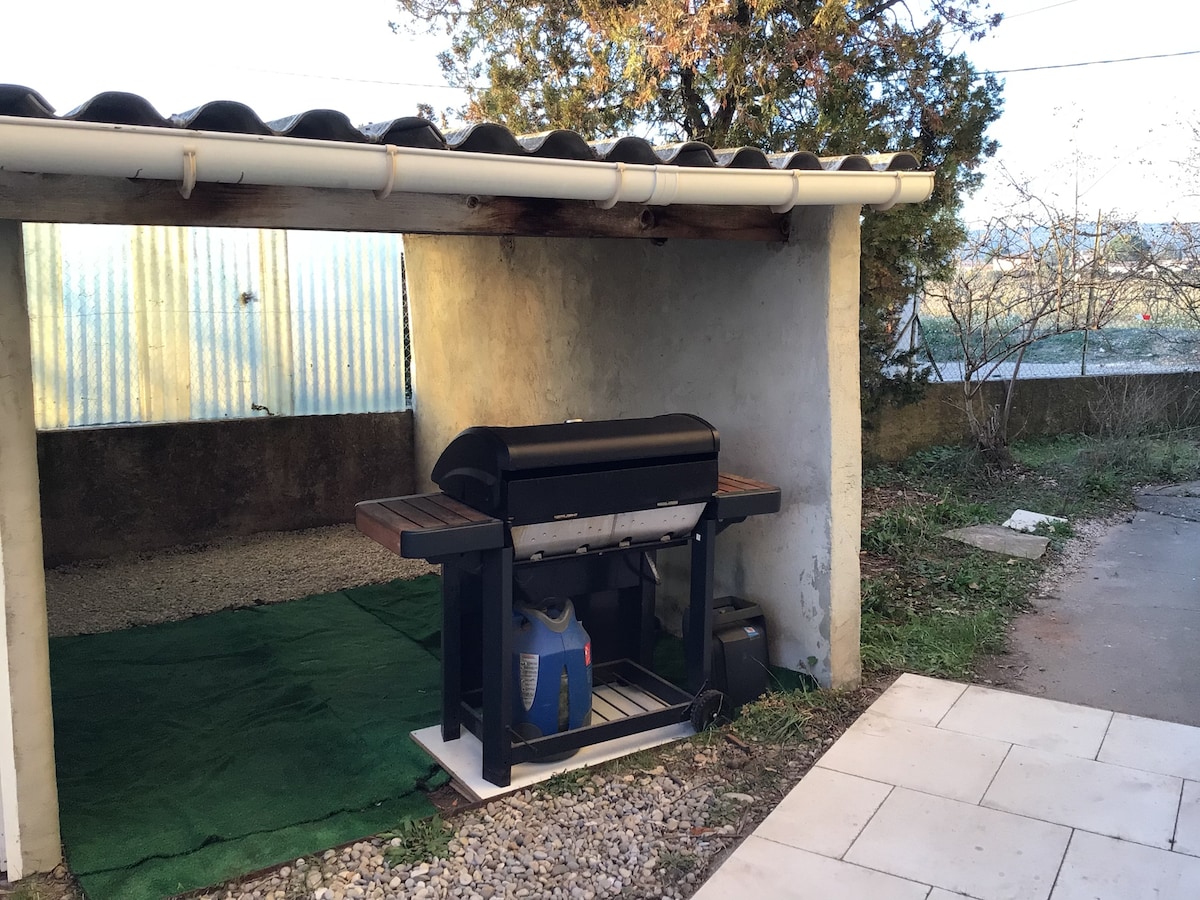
{"x": 651, "y": 826}
{"x": 634, "y": 835}
{"x": 181, "y": 582}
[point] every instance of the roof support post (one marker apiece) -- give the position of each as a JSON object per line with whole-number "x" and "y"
{"x": 833, "y": 234}
{"x": 28, "y": 791}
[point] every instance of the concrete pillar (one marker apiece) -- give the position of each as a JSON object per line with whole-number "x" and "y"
{"x": 760, "y": 339}
{"x": 28, "y": 792}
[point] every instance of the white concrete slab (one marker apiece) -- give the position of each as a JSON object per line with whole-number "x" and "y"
{"x": 1081, "y": 793}
{"x": 1153, "y": 746}
{"x": 824, "y": 813}
{"x": 463, "y": 758}
{"x": 961, "y": 847}
{"x": 916, "y": 698}
{"x": 1104, "y": 868}
{"x": 945, "y": 763}
{"x": 1029, "y": 721}
{"x": 1187, "y": 828}
{"x": 953, "y": 796}
{"x": 764, "y": 869}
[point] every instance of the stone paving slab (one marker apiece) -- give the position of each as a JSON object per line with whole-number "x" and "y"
{"x": 1091, "y": 817}
{"x": 998, "y": 539}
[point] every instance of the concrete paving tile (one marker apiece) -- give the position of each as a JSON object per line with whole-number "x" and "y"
{"x": 960, "y": 847}
{"x": 1153, "y": 746}
{"x": 958, "y": 766}
{"x": 825, "y": 812}
{"x": 1187, "y": 829}
{"x": 764, "y": 869}
{"x": 1029, "y": 721}
{"x": 1104, "y": 868}
{"x": 939, "y": 894}
{"x": 1080, "y": 793}
{"x": 916, "y": 698}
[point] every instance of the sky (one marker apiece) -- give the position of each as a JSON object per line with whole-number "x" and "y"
{"x": 1097, "y": 138}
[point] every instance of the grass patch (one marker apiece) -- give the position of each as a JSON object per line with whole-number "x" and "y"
{"x": 415, "y": 841}
{"x": 935, "y": 606}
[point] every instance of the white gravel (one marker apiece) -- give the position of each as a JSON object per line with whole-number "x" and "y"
{"x": 181, "y": 582}
{"x": 637, "y": 835}
{"x": 1084, "y": 535}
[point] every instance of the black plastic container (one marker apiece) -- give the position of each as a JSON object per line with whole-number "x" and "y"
{"x": 739, "y": 650}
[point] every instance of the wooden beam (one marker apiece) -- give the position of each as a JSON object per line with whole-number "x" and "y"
{"x": 124, "y": 201}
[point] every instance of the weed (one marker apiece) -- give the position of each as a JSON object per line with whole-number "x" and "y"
{"x": 778, "y": 717}
{"x": 564, "y": 783}
{"x": 676, "y": 863}
{"x": 723, "y": 812}
{"x": 415, "y": 841}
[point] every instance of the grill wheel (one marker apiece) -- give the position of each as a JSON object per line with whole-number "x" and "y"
{"x": 706, "y": 709}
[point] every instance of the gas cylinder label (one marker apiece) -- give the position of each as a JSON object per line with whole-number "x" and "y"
{"x": 587, "y": 653}
{"x": 529, "y": 679}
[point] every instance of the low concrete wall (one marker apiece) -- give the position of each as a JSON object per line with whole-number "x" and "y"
{"x": 1042, "y": 406}
{"x": 143, "y": 487}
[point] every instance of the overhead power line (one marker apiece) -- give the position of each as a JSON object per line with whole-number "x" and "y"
{"x": 1091, "y": 62}
{"x": 1030, "y": 12}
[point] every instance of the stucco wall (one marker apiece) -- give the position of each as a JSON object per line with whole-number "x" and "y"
{"x": 108, "y": 490}
{"x": 760, "y": 339}
{"x": 1043, "y": 406}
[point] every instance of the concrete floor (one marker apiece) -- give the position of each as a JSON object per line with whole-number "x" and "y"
{"x": 943, "y": 790}
{"x": 1123, "y": 631}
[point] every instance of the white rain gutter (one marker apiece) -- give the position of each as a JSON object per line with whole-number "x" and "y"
{"x": 54, "y": 146}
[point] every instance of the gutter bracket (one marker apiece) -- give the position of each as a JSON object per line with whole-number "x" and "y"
{"x": 882, "y": 207}
{"x": 393, "y": 153}
{"x": 189, "y": 174}
{"x": 787, "y": 205}
{"x": 611, "y": 201}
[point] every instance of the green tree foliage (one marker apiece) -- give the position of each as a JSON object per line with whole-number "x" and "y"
{"x": 834, "y": 77}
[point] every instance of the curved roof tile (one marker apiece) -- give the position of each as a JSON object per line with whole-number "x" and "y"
{"x": 229, "y": 116}
{"x": 407, "y": 131}
{"x": 318, "y": 124}
{"x": 742, "y": 158}
{"x": 800, "y": 159}
{"x": 561, "y": 143}
{"x": 118, "y": 108}
{"x": 223, "y": 115}
{"x": 485, "y": 137}
{"x": 17, "y": 100}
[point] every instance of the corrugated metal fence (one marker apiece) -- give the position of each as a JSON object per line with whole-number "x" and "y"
{"x": 159, "y": 324}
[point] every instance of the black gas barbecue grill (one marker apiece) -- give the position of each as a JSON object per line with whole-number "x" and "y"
{"x": 576, "y": 510}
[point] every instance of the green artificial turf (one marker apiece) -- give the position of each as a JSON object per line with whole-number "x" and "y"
{"x": 195, "y": 751}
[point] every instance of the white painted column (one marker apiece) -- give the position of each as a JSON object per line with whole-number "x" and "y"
{"x": 28, "y": 791}
{"x": 760, "y": 339}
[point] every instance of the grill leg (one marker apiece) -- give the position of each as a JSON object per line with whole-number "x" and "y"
{"x": 497, "y": 665}
{"x": 452, "y": 652}
{"x": 700, "y": 616}
{"x": 646, "y": 610}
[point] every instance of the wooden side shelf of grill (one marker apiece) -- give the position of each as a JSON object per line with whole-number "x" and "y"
{"x": 738, "y": 497}
{"x": 428, "y": 525}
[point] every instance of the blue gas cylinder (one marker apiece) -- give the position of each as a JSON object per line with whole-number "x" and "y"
{"x": 552, "y": 670}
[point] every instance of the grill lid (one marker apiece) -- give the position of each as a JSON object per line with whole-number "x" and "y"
{"x": 478, "y": 466}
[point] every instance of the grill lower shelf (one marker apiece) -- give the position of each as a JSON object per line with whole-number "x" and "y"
{"x": 626, "y": 699}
